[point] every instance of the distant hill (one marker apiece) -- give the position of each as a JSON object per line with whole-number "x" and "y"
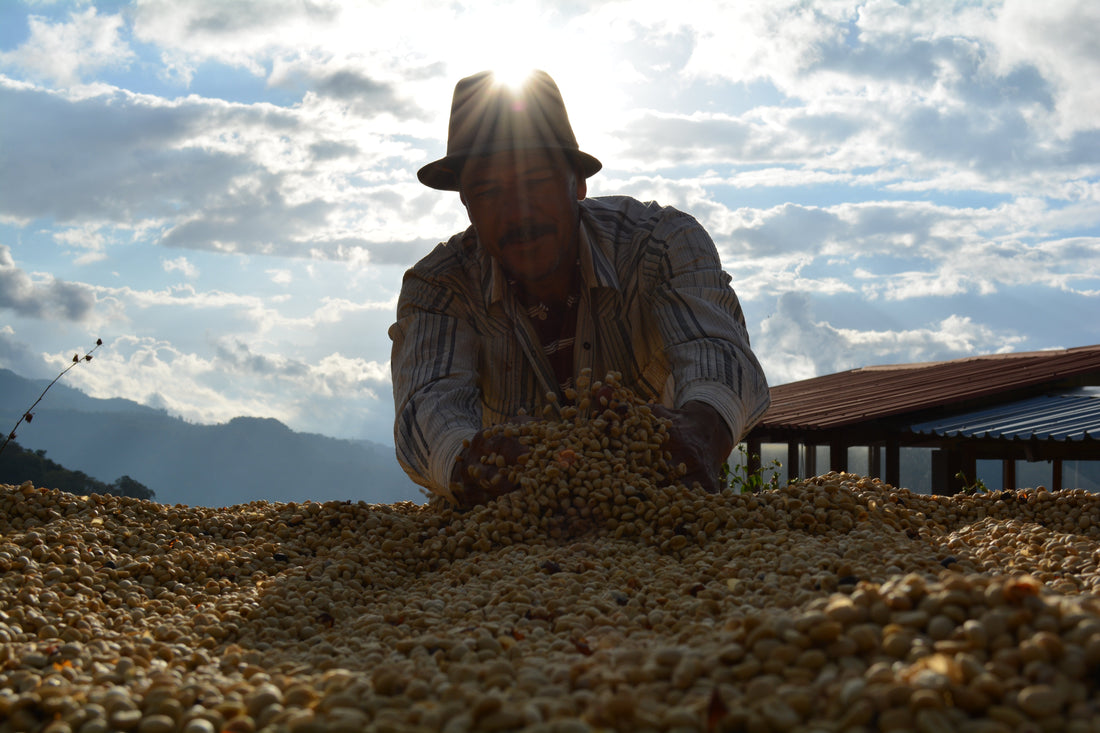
{"x": 246, "y": 459}
{"x": 18, "y": 465}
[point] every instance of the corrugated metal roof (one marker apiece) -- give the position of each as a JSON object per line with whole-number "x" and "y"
{"x": 859, "y": 395}
{"x": 1069, "y": 415}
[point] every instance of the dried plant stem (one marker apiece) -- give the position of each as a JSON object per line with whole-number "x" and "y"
{"x": 28, "y": 414}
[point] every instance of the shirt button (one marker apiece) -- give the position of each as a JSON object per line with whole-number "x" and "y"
{"x": 587, "y": 345}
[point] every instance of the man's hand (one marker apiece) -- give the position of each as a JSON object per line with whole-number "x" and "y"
{"x": 483, "y": 468}
{"x": 700, "y": 439}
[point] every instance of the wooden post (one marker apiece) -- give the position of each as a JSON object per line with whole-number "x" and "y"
{"x": 792, "y": 460}
{"x": 753, "y": 459}
{"x": 959, "y": 462}
{"x": 1056, "y": 474}
{"x": 811, "y": 460}
{"x": 947, "y": 463}
{"x": 1008, "y": 469}
{"x": 939, "y": 471}
{"x": 893, "y": 463}
{"x": 838, "y": 456}
{"x": 969, "y": 466}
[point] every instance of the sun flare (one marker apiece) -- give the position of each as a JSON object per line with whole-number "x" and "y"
{"x": 513, "y": 39}
{"x": 512, "y": 76}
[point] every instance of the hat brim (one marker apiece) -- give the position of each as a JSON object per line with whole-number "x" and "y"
{"x": 443, "y": 174}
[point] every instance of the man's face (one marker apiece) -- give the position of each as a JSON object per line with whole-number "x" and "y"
{"x": 523, "y": 205}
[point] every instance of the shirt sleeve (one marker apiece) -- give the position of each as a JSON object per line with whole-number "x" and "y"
{"x": 703, "y": 327}
{"x": 435, "y": 384}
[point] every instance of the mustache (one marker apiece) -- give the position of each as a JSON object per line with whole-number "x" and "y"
{"x": 525, "y": 232}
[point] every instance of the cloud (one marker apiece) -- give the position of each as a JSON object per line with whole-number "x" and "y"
{"x": 291, "y": 319}
{"x": 242, "y": 33}
{"x": 42, "y": 297}
{"x": 793, "y": 345}
{"x": 181, "y": 264}
{"x": 154, "y": 371}
{"x": 89, "y": 239}
{"x": 996, "y": 144}
{"x": 331, "y": 150}
{"x": 1059, "y": 40}
{"x": 66, "y": 53}
{"x": 345, "y": 81}
{"x": 905, "y": 249}
{"x": 182, "y": 296}
{"x": 236, "y": 355}
{"x": 986, "y": 89}
{"x": 18, "y": 356}
{"x": 256, "y": 217}
{"x": 270, "y": 38}
{"x": 281, "y": 276}
{"x": 117, "y": 156}
{"x": 334, "y": 395}
{"x": 210, "y": 175}
{"x": 787, "y": 228}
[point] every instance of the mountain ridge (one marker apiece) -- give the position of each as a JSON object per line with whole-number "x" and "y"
{"x": 242, "y": 460}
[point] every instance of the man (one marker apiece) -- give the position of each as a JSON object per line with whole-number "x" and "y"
{"x": 546, "y": 283}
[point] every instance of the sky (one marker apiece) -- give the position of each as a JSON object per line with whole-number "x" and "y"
{"x": 225, "y": 191}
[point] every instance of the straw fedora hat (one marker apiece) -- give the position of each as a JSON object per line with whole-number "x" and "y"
{"x": 488, "y": 116}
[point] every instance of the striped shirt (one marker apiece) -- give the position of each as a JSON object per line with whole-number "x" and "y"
{"x": 655, "y": 306}
{"x": 557, "y": 333}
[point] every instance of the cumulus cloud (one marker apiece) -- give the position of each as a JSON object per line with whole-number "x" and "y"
{"x": 345, "y": 81}
{"x": 113, "y": 155}
{"x": 182, "y": 296}
{"x": 42, "y": 296}
{"x": 1060, "y": 42}
{"x": 181, "y": 265}
{"x": 209, "y": 175}
{"x": 787, "y": 228}
{"x": 335, "y": 395}
{"x": 202, "y": 173}
{"x": 65, "y": 53}
{"x": 794, "y": 345}
{"x": 987, "y": 89}
{"x": 905, "y": 249}
{"x": 238, "y": 34}
{"x": 281, "y": 276}
{"x": 88, "y": 239}
{"x": 18, "y": 356}
{"x": 235, "y": 354}
{"x": 154, "y": 371}
{"x": 256, "y": 217}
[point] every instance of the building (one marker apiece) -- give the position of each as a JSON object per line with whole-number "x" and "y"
{"x": 1034, "y": 406}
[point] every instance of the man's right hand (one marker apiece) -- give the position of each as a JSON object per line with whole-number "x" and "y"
{"x": 699, "y": 439}
{"x": 483, "y": 468}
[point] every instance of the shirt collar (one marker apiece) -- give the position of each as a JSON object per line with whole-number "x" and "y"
{"x": 596, "y": 269}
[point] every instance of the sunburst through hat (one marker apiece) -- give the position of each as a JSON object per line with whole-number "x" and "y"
{"x": 489, "y": 116}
